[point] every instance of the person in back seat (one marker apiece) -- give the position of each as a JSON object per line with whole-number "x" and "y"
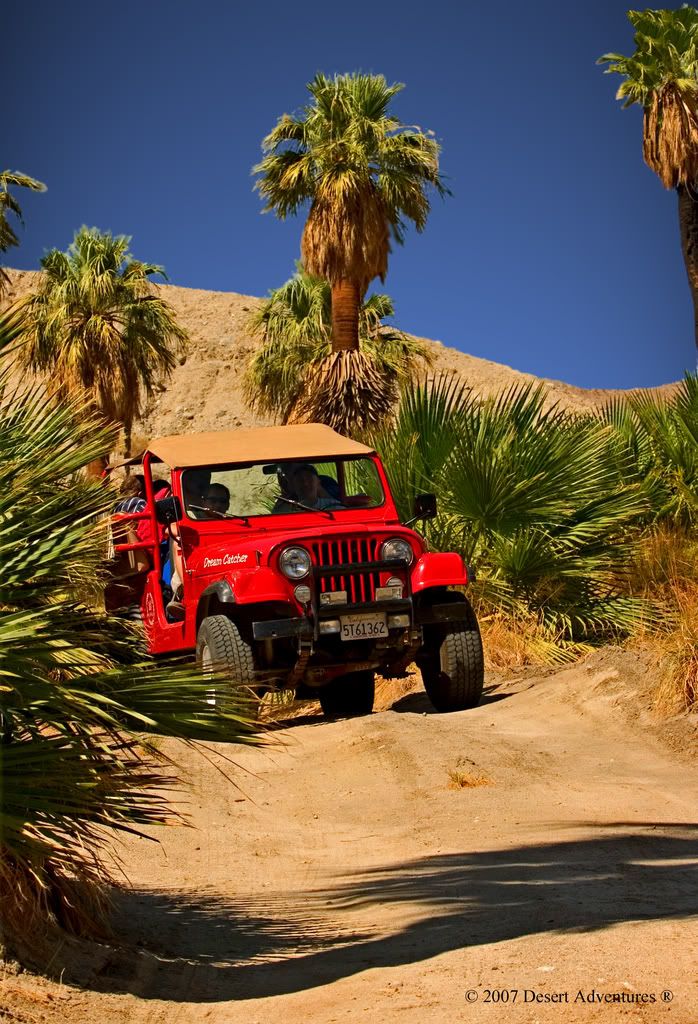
{"x": 132, "y": 495}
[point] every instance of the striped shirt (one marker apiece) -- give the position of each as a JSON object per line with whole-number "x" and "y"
{"x": 132, "y": 505}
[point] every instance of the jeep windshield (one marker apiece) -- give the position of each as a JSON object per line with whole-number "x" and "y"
{"x": 280, "y": 488}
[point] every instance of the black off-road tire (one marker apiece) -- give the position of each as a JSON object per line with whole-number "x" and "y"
{"x": 349, "y": 696}
{"x": 220, "y": 647}
{"x": 452, "y": 664}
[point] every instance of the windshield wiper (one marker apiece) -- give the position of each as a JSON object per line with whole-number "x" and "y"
{"x": 308, "y": 508}
{"x": 221, "y": 515}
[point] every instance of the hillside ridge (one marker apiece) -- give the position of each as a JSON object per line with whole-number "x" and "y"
{"x": 205, "y": 391}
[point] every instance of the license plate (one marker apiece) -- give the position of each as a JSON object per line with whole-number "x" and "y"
{"x": 361, "y": 627}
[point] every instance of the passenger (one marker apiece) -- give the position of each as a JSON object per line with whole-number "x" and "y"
{"x": 218, "y": 498}
{"x": 131, "y": 502}
{"x": 161, "y": 489}
{"x": 195, "y": 487}
{"x": 132, "y": 491}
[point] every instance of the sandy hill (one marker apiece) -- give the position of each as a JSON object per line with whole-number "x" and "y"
{"x": 205, "y": 390}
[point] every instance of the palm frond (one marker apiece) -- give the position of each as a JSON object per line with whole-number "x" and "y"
{"x": 77, "y": 693}
{"x": 531, "y": 495}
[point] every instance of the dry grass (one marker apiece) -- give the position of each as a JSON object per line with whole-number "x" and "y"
{"x": 666, "y": 573}
{"x": 665, "y": 558}
{"x": 459, "y": 779}
{"x": 390, "y": 691}
{"x": 465, "y": 774}
{"x": 41, "y": 906}
{"x": 673, "y": 646}
{"x": 678, "y": 688}
{"x": 514, "y": 642}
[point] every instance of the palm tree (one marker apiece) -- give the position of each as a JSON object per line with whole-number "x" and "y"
{"x": 76, "y": 695}
{"x": 365, "y": 175}
{"x": 8, "y": 204}
{"x": 662, "y": 77}
{"x": 295, "y": 323}
{"x": 94, "y": 324}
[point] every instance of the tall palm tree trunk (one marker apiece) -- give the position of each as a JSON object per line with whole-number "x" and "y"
{"x": 346, "y": 300}
{"x": 688, "y": 223}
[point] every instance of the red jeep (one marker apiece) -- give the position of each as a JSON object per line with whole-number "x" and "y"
{"x": 295, "y": 570}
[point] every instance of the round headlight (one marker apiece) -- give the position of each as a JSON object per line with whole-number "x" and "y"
{"x": 294, "y": 563}
{"x": 396, "y": 550}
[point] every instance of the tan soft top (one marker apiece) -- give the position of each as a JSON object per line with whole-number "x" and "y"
{"x": 260, "y": 444}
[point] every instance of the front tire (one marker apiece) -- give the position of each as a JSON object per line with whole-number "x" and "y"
{"x": 452, "y": 664}
{"x": 221, "y": 649}
{"x": 348, "y": 696}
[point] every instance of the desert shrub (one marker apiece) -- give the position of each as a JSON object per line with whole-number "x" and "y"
{"x": 536, "y": 499}
{"x": 656, "y": 443}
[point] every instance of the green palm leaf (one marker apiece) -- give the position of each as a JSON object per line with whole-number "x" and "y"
{"x": 531, "y": 495}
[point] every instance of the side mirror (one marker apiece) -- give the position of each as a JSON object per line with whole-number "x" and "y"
{"x": 425, "y": 506}
{"x": 168, "y": 510}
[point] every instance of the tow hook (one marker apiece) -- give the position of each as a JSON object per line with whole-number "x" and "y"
{"x": 305, "y": 649}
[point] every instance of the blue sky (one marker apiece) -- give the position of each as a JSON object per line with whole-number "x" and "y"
{"x": 558, "y": 253}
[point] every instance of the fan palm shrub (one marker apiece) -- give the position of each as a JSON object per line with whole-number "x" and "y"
{"x": 532, "y": 497}
{"x": 295, "y": 324}
{"x": 657, "y": 440}
{"x": 76, "y": 695}
{"x": 9, "y": 205}
{"x": 364, "y": 175}
{"x": 661, "y": 76}
{"x": 96, "y": 326}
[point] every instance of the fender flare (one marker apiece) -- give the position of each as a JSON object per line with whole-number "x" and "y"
{"x": 238, "y": 589}
{"x": 439, "y": 569}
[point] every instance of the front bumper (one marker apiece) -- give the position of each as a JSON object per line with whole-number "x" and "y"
{"x": 305, "y": 627}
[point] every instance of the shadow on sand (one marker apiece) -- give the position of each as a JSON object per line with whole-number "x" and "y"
{"x": 203, "y": 947}
{"x": 419, "y": 703}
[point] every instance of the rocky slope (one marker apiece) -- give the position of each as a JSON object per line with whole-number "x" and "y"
{"x": 205, "y": 390}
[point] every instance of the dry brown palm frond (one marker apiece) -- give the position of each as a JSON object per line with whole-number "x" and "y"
{"x": 40, "y": 904}
{"x": 348, "y": 391}
{"x": 347, "y": 237}
{"x": 670, "y": 136}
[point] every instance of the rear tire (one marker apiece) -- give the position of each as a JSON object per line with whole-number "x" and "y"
{"x": 348, "y": 696}
{"x": 452, "y": 664}
{"x": 221, "y": 648}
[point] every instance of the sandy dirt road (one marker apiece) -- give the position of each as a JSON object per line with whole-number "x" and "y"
{"x": 347, "y": 880}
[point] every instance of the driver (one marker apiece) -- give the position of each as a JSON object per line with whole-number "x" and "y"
{"x": 303, "y": 484}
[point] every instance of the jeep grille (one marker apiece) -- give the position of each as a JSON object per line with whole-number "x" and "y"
{"x": 348, "y": 552}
